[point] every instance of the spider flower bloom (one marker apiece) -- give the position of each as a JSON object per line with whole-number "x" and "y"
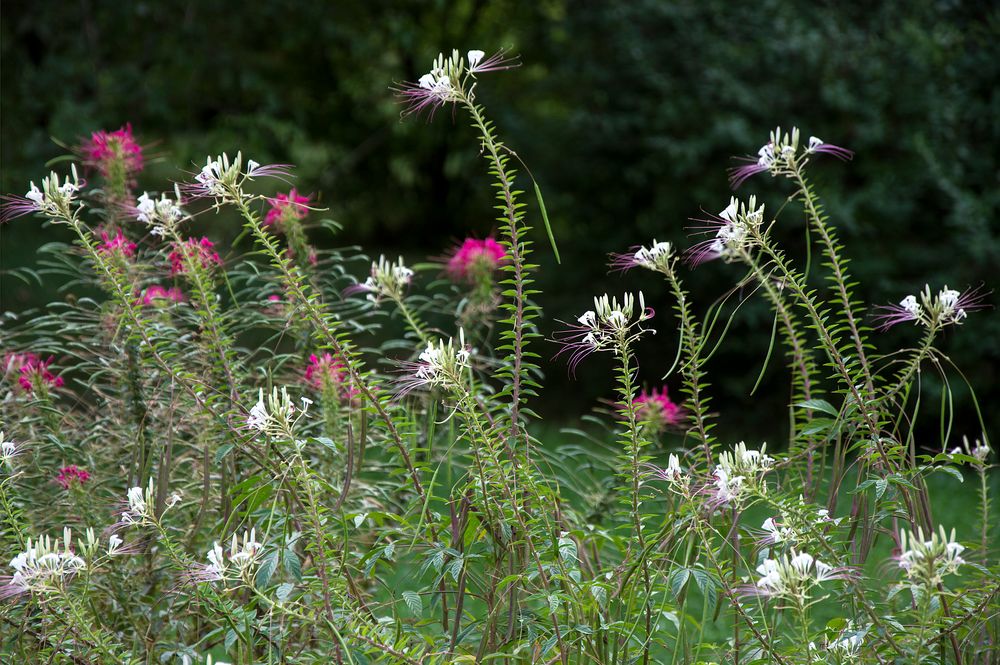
{"x": 656, "y": 407}
{"x": 111, "y": 151}
{"x": 733, "y": 228}
{"x": 34, "y": 372}
{"x": 475, "y": 258}
{"x": 274, "y": 414}
{"x": 8, "y": 451}
{"x": 116, "y": 245}
{"x": 605, "y": 328}
{"x": 46, "y": 564}
{"x": 779, "y": 156}
{"x": 927, "y": 561}
{"x": 792, "y": 577}
{"x": 440, "y": 365}
{"x": 222, "y": 179}
{"x": 68, "y": 475}
{"x": 160, "y": 214}
{"x": 54, "y": 199}
{"x": 738, "y": 473}
{"x": 657, "y": 257}
{"x": 947, "y": 307}
{"x": 777, "y": 532}
{"x": 448, "y": 81}
{"x": 203, "y": 250}
{"x": 243, "y": 556}
{"x": 286, "y": 207}
{"x": 158, "y": 296}
{"x": 387, "y": 280}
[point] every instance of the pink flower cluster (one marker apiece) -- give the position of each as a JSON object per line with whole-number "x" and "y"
{"x": 327, "y": 371}
{"x": 33, "y": 371}
{"x": 656, "y": 407}
{"x": 204, "y": 249}
{"x": 104, "y": 148}
{"x": 473, "y": 257}
{"x": 116, "y": 243}
{"x": 285, "y": 207}
{"x": 70, "y": 474}
{"x": 156, "y": 295}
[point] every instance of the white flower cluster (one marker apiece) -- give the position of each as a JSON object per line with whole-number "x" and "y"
{"x": 161, "y": 214}
{"x": 792, "y": 576}
{"x": 927, "y": 561}
{"x": 44, "y": 564}
{"x": 739, "y": 472}
{"x": 732, "y": 237}
{"x": 779, "y": 532}
{"x": 611, "y": 321}
{"x": 444, "y": 81}
{"x": 8, "y": 451}
{"x": 243, "y": 555}
{"x": 141, "y": 505}
{"x": 942, "y": 309}
{"x": 443, "y": 364}
{"x": 222, "y": 178}
{"x": 275, "y": 416}
{"x": 776, "y": 153}
{"x": 54, "y": 198}
{"x": 656, "y": 257}
{"x": 387, "y": 279}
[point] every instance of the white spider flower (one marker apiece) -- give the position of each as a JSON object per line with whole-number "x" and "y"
{"x": 932, "y": 311}
{"x": 139, "y": 503}
{"x": 44, "y": 565}
{"x": 275, "y": 413}
{"x": 223, "y": 178}
{"x": 781, "y": 153}
{"x": 732, "y": 232}
{"x": 8, "y": 451}
{"x": 608, "y": 327}
{"x": 238, "y": 563}
{"x": 792, "y": 576}
{"x": 441, "y": 364}
{"x": 160, "y": 214}
{"x": 54, "y": 199}
{"x": 386, "y": 280}
{"x": 927, "y": 561}
{"x": 657, "y": 257}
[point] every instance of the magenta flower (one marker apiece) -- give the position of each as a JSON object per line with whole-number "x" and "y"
{"x": 71, "y": 474}
{"x": 115, "y": 244}
{"x": 285, "y": 207}
{"x": 105, "y": 149}
{"x": 326, "y": 372}
{"x": 657, "y": 408}
{"x": 157, "y": 295}
{"x": 203, "y": 249}
{"x": 34, "y": 371}
{"x": 475, "y": 257}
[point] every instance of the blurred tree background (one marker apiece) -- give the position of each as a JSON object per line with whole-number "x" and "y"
{"x": 627, "y": 113}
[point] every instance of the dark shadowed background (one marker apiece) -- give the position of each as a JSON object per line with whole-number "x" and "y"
{"x": 627, "y": 113}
